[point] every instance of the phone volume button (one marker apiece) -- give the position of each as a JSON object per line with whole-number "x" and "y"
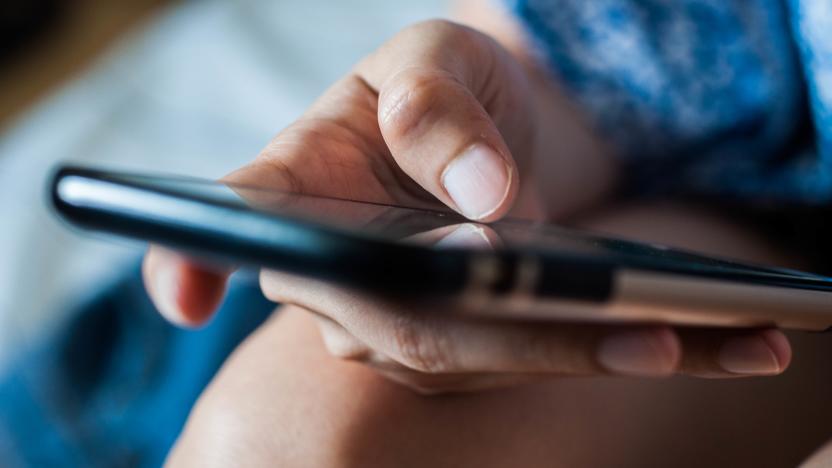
{"x": 503, "y": 276}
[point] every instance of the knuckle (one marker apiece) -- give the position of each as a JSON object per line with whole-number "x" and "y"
{"x": 419, "y": 346}
{"x": 442, "y": 29}
{"x": 446, "y": 38}
{"x": 421, "y": 383}
{"x": 410, "y": 98}
{"x": 271, "y": 162}
{"x": 345, "y": 351}
{"x": 342, "y": 345}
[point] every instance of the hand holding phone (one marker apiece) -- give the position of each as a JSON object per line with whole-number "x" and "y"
{"x": 417, "y": 124}
{"x": 433, "y": 347}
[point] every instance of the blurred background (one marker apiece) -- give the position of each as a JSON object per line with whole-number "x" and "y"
{"x": 190, "y": 87}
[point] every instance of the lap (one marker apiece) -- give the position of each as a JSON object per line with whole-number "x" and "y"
{"x": 282, "y": 400}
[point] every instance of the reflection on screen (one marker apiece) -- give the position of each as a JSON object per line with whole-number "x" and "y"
{"x": 440, "y": 228}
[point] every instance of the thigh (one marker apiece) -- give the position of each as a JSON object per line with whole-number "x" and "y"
{"x": 282, "y": 400}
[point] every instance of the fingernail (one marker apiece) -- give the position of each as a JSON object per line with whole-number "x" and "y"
{"x": 748, "y": 355}
{"x": 166, "y": 289}
{"x": 478, "y": 181}
{"x": 645, "y": 353}
{"x": 466, "y": 235}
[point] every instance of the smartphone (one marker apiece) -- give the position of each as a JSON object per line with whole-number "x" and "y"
{"x": 510, "y": 269}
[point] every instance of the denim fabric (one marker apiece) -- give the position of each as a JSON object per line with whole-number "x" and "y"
{"x": 727, "y": 98}
{"x": 115, "y": 386}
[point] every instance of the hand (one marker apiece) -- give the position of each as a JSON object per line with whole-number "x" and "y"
{"x": 822, "y": 458}
{"x": 442, "y": 114}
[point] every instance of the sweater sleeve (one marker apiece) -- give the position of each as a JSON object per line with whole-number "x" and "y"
{"x": 704, "y": 97}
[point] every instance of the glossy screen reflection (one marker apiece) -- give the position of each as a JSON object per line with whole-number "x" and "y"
{"x": 439, "y": 228}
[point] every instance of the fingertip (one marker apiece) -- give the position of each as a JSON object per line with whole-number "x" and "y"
{"x": 200, "y": 292}
{"x": 481, "y": 183}
{"x": 760, "y": 353}
{"x": 780, "y": 347}
{"x": 184, "y": 293}
{"x": 669, "y": 345}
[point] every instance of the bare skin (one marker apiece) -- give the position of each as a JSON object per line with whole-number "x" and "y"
{"x": 282, "y": 400}
{"x": 391, "y": 131}
{"x": 437, "y": 99}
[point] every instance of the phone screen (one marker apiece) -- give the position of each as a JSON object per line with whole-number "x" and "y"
{"x": 441, "y": 229}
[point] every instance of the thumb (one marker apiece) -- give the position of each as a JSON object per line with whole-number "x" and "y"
{"x": 432, "y": 84}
